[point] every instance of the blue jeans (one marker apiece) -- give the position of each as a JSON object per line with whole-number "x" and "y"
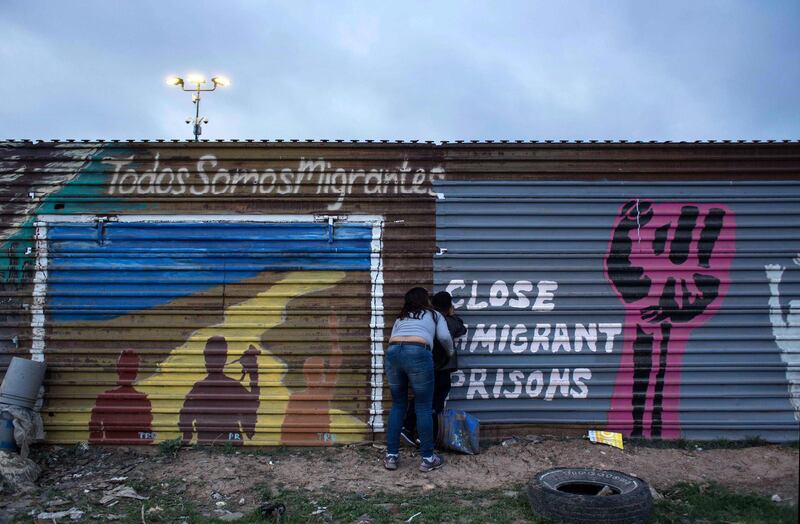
{"x": 410, "y": 364}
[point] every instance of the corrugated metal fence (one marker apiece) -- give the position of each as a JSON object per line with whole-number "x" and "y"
{"x": 660, "y": 309}
{"x": 243, "y": 292}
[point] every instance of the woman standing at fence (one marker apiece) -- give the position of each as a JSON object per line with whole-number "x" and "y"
{"x": 409, "y": 361}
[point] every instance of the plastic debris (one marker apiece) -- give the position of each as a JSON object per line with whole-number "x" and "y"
{"x": 17, "y": 472}
{"x": 28, "y": 427}
{"x": 121, "y": 492}
{"x": 605, "y": 492}
{"x": 609, "y": 438}
{"x": 49, "y": 517}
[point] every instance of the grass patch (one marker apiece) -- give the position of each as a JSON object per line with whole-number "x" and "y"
{"x": 748, "y": 442}
{"x": 684, "y": 503}
{"x": 164, "y": 505}
{"x": 170, "y": 448}
{"x": 467, "y": 506}
{"x": 711, "y": 503}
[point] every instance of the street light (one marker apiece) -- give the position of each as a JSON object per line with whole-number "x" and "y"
{"x": 197, "y": 81}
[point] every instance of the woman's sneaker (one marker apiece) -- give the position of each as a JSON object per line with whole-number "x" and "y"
{"x": 390, "y": 462}
{"x": 429, "y": 464}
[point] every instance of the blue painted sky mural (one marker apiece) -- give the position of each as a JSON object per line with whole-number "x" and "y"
{"x": 113, "y": 269}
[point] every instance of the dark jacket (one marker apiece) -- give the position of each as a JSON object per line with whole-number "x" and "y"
{"x": 440, "y": 361}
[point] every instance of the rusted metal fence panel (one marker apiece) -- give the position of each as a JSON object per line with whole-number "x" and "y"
{"x": 215, "y": 294}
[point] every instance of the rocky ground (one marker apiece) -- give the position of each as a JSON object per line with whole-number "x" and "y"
{"x": 106, "y": 484}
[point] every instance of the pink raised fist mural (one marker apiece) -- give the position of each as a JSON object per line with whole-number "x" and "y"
{"x": 668, "y": 263}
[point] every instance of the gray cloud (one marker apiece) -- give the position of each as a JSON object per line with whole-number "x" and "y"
{"x": 416, "y": 70}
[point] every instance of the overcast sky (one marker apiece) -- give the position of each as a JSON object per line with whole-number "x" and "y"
{"x": 431, "y": 70}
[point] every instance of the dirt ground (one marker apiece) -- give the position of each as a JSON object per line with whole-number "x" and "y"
{"x": 207, "y": 476}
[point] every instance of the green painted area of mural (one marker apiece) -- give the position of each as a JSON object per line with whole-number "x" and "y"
{"x": 86, "y": 193}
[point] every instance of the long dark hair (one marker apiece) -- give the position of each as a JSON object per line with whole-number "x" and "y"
{"x": 417, "y": 302}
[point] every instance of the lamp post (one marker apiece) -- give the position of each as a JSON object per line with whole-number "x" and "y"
{"x": 197, "y": 81}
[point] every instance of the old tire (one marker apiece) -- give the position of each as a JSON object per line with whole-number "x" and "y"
{"x": 569, "y": 495}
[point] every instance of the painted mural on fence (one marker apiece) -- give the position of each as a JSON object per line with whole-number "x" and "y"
{"x": 665, "y": 309}
{"x": 208, "y": 178}
{"x": 786, "y": 328}
{"x": 621, "y": 307}
{"x": 668, "y": 263}
{"x": 152, "y": 333}
{"x": 227, "y": 381}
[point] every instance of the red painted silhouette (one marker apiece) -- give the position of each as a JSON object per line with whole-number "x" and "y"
{"x": 122, "y": 415}
{"x": 310, "y": 408}
{"x": 668, "y": 263}
{"x": 219, "y": 408}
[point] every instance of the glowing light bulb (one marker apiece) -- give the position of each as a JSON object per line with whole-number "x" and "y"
{"x": 195, "y": 78}
{"x": 221, "y": 81}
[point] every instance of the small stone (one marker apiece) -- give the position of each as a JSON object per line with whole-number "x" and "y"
{"x": 776, "y": 498}
{"x": 428, "y": 487}
{"x": 221, "y": 504}
{"x": 655, "y": 494}
{"x": 241, "y": 501}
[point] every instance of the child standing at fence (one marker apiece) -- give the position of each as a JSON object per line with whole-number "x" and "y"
{"x": 443, "y": 365}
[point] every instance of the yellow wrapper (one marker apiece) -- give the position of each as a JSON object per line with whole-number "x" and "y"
{"x": 606, "y": 437}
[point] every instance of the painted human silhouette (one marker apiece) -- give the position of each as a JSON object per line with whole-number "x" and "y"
{"x": 310, "y": 408}
{"x": 786, "y": 330}
{"x": 668, "y": 263}
{"x": 219, "y": 408}
{"x": 122, "y": 415}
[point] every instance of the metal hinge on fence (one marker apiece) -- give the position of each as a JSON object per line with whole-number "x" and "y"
{"x": 331, "y": 220}
{"x": 100, "y": 222}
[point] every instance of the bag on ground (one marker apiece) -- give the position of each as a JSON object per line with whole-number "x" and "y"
{"x": 459, "y": 431}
